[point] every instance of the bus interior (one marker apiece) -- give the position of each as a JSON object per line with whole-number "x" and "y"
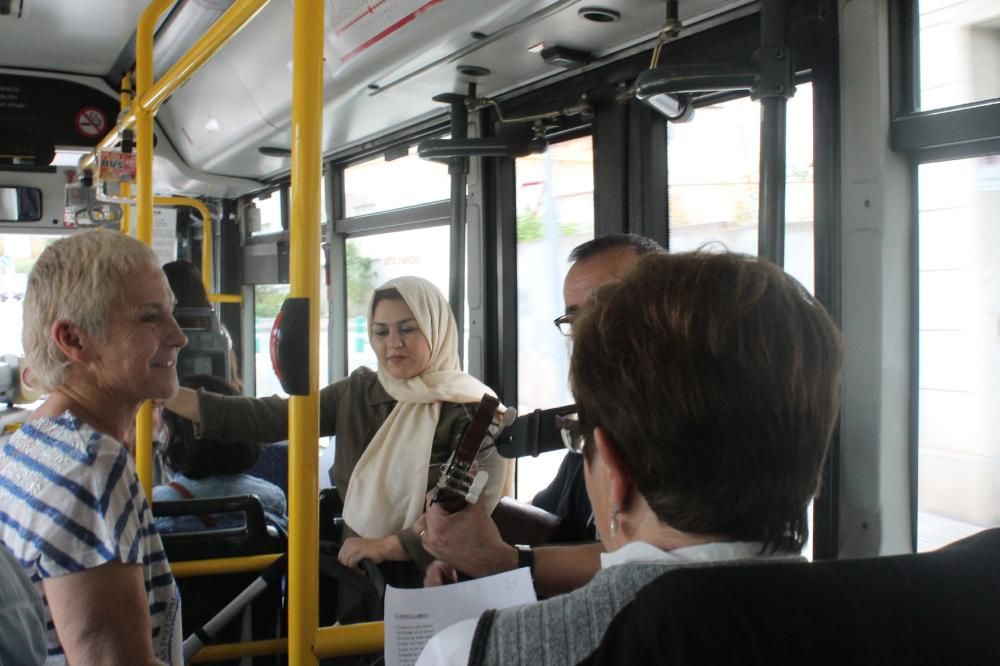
{"x": 475, "y": 143}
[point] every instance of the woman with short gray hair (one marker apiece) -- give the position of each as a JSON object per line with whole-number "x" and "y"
{"x": 100, "y": 338}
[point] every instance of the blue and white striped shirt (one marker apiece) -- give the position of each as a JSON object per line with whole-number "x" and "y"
{"x": 70, "y": 500}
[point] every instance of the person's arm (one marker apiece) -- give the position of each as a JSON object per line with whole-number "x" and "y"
{"x": 101, "y": 615}
{"x": 561, "y": 569}
{"x": 185, "y": 404}
{"x": 468, "y": 540}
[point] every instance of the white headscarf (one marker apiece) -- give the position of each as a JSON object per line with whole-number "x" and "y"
{"x": 387, "y": 488}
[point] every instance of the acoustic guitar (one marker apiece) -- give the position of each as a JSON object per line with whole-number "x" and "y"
{"x": 462, "y": 481}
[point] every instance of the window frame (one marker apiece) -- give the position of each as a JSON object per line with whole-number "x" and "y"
{"x": 952, "y": 133}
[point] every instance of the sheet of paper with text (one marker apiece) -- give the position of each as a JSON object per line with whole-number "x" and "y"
{"x": 413, "y": 616}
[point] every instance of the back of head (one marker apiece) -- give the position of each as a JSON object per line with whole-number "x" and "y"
{"x": 78, "y": 279}
{"x": 717, "y": 377}
{"x": 199, "y": 458}
{"x": 185, "y": 281}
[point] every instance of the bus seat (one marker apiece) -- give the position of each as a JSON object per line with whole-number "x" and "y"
{"x": 273, "y": 465}
{"x": 939, "y": 607}
{"x": 202, "y": 597}
{"x": 207, "y": 350}
{"x": 253, "y": 537}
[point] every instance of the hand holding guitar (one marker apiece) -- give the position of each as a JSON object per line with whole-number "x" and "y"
{"x": 467, "y": 540}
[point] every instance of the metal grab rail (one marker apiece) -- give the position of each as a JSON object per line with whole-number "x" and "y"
{"x": 207, "y": 242}
{"x": 207, "y": 233}
{"x": 340, "y": 641}
{"x": 222, "y": 565}
{"x": 150, "y": 95}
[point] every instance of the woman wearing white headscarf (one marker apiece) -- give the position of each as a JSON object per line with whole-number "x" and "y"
{"x": 394, "y": 427}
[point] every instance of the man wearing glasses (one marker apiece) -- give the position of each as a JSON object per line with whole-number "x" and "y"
{"x": 468, "y": 541}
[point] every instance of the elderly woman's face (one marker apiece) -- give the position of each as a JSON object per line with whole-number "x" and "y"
{"x": 137, "y": 357}
{"x": 397, "y": 341}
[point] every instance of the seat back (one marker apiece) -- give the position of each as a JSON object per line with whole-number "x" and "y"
{"x": 273, "y": 465}
{"x": 207, "y": 350}
{"x": 252, "y": 537}
{"x": 931, "y": 608}
{"x": 202, "y": 597}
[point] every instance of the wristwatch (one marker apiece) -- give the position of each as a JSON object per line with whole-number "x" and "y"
{"x": 526, "y": 558}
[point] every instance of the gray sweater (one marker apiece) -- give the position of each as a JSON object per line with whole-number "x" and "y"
{"x": 564, "y": 630}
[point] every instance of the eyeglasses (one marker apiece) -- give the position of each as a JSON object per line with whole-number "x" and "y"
{"x": 572, "y": 435}
{"x": 565, "y": 323}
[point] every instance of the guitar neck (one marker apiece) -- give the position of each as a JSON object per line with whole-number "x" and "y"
{"x": 458, "y": 477}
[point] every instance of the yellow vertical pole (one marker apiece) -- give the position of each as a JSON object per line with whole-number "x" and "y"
{"x": 125, "y": 100}
{"x": 206, "y": 249}
{"x": 144, "y": 208}
{"x": 303, "y": 411}
{"x": 126, "y": 192}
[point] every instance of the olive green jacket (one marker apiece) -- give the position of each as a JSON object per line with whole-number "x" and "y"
{"x": 352, "y": 409}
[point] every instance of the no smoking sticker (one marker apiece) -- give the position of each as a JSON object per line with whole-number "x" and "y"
{"x": 91, "y": 122}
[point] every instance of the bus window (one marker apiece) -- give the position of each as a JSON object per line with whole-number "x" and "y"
{"x": 413, "y": 181}
{"x": 959, "y": 52}
{"x": 371, "y": 260}
{"x": 555, "y": 213}
{"x": 412, "y": 243}
{"x": 18, "y": 253}
{"x": 959, "y": 355}
{"x": 715, "y": 201}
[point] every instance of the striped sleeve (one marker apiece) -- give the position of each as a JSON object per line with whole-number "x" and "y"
{"x": 86, "y": 514}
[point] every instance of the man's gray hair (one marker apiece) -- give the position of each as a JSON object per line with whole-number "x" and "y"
{"x": 77, "y": 279}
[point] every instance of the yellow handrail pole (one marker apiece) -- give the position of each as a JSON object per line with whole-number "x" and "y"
{"x": 225, "y": 298}
{"x": 144, "y": 210}
{"x": 206, "y": 234}
{"x": 124, "y": 102}
{"x": 227, "y": 25}
{"x": 340, "y": 641}
{"x": 245, "y": 564}
{"x": 237, "y": 650}
{"x": 126, "y": 191}
{"x": 149, "y": 96}
{"x": 303, "y": 410}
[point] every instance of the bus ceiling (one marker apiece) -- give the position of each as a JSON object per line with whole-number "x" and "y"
{"x": 383, "y": 66}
